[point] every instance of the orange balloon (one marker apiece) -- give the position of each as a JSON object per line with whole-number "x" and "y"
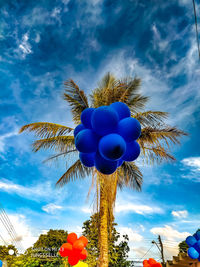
{"x": 78, "y": 246}
{"x": 152, "y": 261}
{"x": 145, "y": 262}
{"x": 71, "y": 238}
{"x": 84, "y": 240}
{"x": 83, "y": 254}
{"x": 65, "y": 250}
{"x": 157, "y": 264}
{"x": 72, "y": 260}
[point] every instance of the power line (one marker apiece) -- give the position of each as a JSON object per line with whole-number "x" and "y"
{"x": 146, "y": 252}
{"x": 9, "y": 227}
{"x": 196, "y": 27}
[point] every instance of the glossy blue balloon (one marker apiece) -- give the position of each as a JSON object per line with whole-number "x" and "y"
{"x": 87, "y": 159}
{"x": 86, "y": 116}
{"x": 112, "y": 147}
{"x": 129, "y": 129}
{"x": 132, "y": 151}
{"x": 86, "y": 141}
{"x": 104, "y": 166}
{"x": 122, "y": 110}
{"x": 78, "y": 128}
{"x": 192, "y": 253}
{"x": 190, "y": 240}
{"x": 197, "y": 235}
{"x": 197, "y": 246}
{"x": 104, "y": 120}
{"x": 120, "y": 162}
{"x": 1, "y": 263}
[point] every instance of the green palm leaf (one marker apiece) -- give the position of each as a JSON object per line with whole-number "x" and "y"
{"x": 59, "y": 143}
{"x": 130, "y": 176}
{"x": 46, "y": 129}
{"x": 150, "y": 118}
{"x": 76, "y": 171}
{"x": 76, "y": 99}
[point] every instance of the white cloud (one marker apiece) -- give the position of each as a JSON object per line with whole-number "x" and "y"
{"x": 86, "y": 210}
{"x": 45, "y": 190}
{"x": 193, "y": 162}
{"x": 24, "y": 234}
{"x": 25, "y": 46}
{"x": 137, "y": 208}
{"x": 180, "y": 213}
{"x": 5, "y": 136}
{"x": 169, "y": 233}
{"x": 51, "y": 208}
{"x": 133, "y": 236}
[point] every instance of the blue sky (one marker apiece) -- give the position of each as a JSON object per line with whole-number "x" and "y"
{"x": 42, "y": 44}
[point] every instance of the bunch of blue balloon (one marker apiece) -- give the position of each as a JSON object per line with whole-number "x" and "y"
{"x": 107, "y": 137}
{"x": 1, "y": 263}
{"x": 194, "y": 246}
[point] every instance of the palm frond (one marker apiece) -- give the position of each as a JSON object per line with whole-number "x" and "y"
{"x": 63, "y": 154}
{"x": 156, "y": 154}
{"x": 58, "y": 143}
{"x": 150, "y": 118}
{"x": 129, "y": 175}
{"x": 104, "y": 94}
{"x": 137, "y": 103}
{"x": 76, "y": 171}
{"x": 76, "y": 99}
{"x": 159, "y": 134}
{"x": 129, "y": 87}
{"x": 46, "y": 129}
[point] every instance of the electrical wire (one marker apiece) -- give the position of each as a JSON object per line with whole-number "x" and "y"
{"x": 196, "y": 27}
{"x": 146, "y": 252}
{"x": 9, "y": 227}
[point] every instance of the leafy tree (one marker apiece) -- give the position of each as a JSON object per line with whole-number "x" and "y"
{"x": 183, "y": 246}
{"x": 118, "y": 251}
{"x": 154, "y": 141}
{"x": 4, "y": 253}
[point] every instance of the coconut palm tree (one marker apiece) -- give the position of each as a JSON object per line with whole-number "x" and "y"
{"x": 154, "y": 141}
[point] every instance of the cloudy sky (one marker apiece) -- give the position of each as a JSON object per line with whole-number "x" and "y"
{"x": 43, "y": 43}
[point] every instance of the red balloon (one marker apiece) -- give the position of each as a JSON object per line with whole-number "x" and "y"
{"x": 84, "y": 240}
{"x": 152, "y": 261}
{"x": 65, "y": 250}
{"x": 72, "y": 260}
{"x": 157, "y": 264}
{"x": 83, "y": 254}
{"x": 78, "y": 246}
{"x": 71, "y": 238}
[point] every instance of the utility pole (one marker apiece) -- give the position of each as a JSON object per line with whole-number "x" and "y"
{"x": 160, "y": 248}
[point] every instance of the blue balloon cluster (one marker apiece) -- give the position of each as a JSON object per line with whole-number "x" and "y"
{"x": 107, "y": 137}
{"x": 1, "y": 263}
{"x": 194, "y": 246}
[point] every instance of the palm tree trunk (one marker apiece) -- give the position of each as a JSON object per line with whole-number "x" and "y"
{"x": 103, "y": 227}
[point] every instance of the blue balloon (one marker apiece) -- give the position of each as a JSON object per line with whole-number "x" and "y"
{"x": 86, "y": 116}
{"x": 86, "y": 141}
{"x": 122, "y": 110}
{"x": 190, "y": 240}
{"x": 192, "y": 253}
{"x": 132, "y": 151}
{"x": 129, "y": 129}
{"x": 1, "y": 263}
{"x": 197, "y": 246}
{"x": 78, "y": 128}
{"x": 120, "y": 162}
{"x": 197, "y": 235}
{"x": 104, "y": 120}
{"x": 112, "y": 147}
{"x": 87, "y": 159}
{"x": 104, "y": 166}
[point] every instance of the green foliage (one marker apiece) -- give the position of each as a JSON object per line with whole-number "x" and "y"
{"x": 183, "y": 246}
{"x": 4, "y": 253}
{"x": 118, "y": 250}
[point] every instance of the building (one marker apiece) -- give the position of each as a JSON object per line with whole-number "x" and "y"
{"x": 182, "y": 260}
